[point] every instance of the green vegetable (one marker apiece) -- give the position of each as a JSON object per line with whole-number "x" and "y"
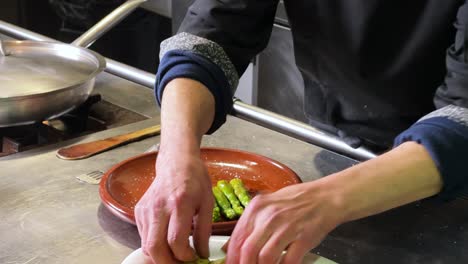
{"x": 223, "y": 203}
{"x": 202, "y": 261}
{"x": 228, "y": 191}
{"x": 199, "y": 261}
{"x": 216, "y": 213}
{"x": 240, "y": 191}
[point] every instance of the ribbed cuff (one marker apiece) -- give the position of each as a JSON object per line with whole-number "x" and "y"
{"x": 185, "y": 64}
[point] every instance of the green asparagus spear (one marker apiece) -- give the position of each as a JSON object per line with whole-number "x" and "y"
{"x": 223, "y": 203}
{"x": 240, "y": 191}
{"x": 216, "y": 213}
{"x": 202, "y": 261}
{"x": 199, "y": 261}
{"x": 228, "y": 191}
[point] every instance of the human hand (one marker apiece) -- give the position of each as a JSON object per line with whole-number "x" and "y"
{"x": 296, "y": 218}
{"x": 180, "y": 194}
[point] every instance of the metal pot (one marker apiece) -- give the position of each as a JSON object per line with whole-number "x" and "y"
{"x": 43, "y": 80}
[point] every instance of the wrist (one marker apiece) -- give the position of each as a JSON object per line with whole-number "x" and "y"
{"x": 180, "y": 143}
{"x": 178, "y": 157}
{"x": 350, "y": 195}
{"x": 339, "y": 198}
{"x": 333, "y": 198}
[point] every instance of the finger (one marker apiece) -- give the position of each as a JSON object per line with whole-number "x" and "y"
{"x": 252, "y": 246}
{"x": 142, "y": 231}
{"x": 178, "y": 233}
{"x": 241, "y": 233}
{"x": 141, "y": 226}
{"x": 295, "y": 253}
{"x": 225, "y": 246}
{"x": 156, "y": 242}
{"x": 147, "y": 259}
{"x": 238, "y": 236}
{"x": 202, "y": 230}
{"x": 274, "y": 247}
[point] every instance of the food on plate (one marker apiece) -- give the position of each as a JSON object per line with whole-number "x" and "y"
{"x": 240, "y": 191}
{"x": 224, "y": 204}
{"x": 231, "y": 198}
{"x": 216, "y": 213}
{"x": 228, "y": 191}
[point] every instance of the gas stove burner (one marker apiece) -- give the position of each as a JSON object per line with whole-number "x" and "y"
{"x": 79, "y": 120}
{"x": 76, "y": 123}
{"x": 92, "y": 116}
{"x": 17, "y": 139}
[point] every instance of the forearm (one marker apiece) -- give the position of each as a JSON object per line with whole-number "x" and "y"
{"x": 400, "y": 176}
{"x": 182, "y": 191}
{"x": 187, "y": 112}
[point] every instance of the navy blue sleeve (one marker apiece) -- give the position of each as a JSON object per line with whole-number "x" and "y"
{"x": 444, "y": 132}
{"x": 186, "y": 64}
{"x": 446, "y": 141}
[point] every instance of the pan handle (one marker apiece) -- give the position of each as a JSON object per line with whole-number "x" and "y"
{"x": 94, "y": 33}
{"x": 2, "y": 49}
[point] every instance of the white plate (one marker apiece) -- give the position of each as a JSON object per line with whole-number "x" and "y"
{"x": 216, "y": 242}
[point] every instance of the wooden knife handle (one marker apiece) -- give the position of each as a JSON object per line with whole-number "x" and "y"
{"x": 86, "y": 150}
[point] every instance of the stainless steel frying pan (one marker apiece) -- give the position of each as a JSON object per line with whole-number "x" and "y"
{"x": 43, "y": 80}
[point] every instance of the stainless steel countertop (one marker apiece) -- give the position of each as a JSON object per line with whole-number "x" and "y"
{"x": 47, "y": 216}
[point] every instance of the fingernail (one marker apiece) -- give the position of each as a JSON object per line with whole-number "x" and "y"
{"x": 224, "y": 248}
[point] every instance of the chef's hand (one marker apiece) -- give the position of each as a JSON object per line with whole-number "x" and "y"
{"x": 300, "y": 216}
{"x": 296, "y": 217}
{"x": 179, "y": 195}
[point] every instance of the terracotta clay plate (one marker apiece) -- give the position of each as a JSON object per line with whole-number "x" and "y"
{"x": 124, "y": 184}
